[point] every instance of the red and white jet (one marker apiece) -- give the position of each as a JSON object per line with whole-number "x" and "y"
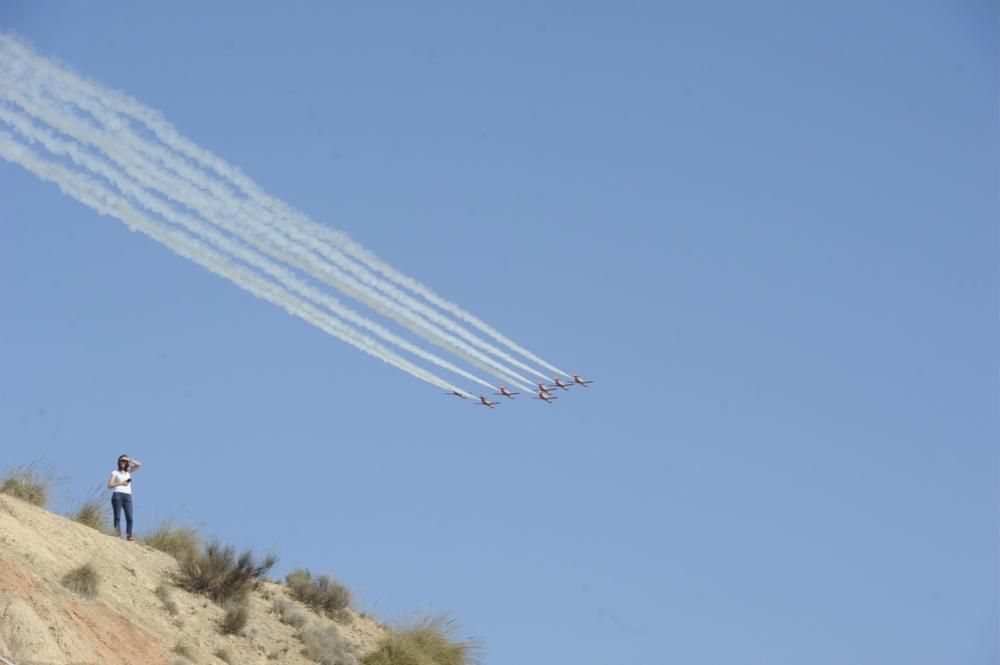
{"x": 485, "y": 402}
{"x": 579, "y": 380}
{"x": 546, "y": 397}
{"x": 542, "y": 388}
{"x": 506, "y": 393}
{"x": 559, "y": 384}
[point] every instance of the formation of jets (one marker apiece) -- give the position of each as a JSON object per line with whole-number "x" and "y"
{"x": 544, "y": 391}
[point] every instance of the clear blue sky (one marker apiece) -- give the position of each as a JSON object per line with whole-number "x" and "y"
{"x": 768, "y": 230}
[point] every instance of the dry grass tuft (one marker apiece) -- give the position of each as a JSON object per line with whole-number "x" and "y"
{"x": 431, "y": 641}
{"x": 94, "y": 511}
{"x": 288, "y": 612}
{"x": 28, "y": 483}
{"x": 224, "y": 655}
{"x": 217, "y": 572}
{"x": 321, "y": 593}
{"x": 184, "y": 649}
{"x": 163, "y": 593}
{"x": 82, "y": 580}
{"x": 235, "y": 619}
{"x": 324, "y": 645}
{"x": 178, "y": 541}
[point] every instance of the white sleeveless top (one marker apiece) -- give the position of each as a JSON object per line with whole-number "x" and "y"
{"x": 120, "y": 476}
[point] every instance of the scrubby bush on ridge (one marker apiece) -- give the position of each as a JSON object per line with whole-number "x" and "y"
{"x": 430, "y": 641}
{"x": 235, "y": 619}
{"x": 28, "y": 484}
{"x": 289, "y": 613}
{"x": 321, "y": 593}
{"x": 93, "y": 513}
{"x": 324, "y": 645}
{"x": 218, "y": 573}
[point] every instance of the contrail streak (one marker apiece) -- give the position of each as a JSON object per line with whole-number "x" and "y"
{"x": 293, "y": 219}
{"x": 190, "y": 198}
{"x": 122, "y": 182}
{"x": 97, "y": 196}
{"x": 252, "y": 231}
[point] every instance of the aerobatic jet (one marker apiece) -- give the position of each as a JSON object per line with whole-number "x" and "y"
{"x": 485, "y": 402}
{"x": 579, "y": 381}
{"x": 455, "y": 393}
{"x": 506, "y": 393}
{"x": 542, "y": 388}
{"x": 559, "y": 384}
{"x": 546, "y": 397}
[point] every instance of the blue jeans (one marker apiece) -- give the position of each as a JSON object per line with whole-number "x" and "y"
{"x": 121, "y": 500}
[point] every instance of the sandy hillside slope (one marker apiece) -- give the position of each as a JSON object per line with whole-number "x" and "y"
{"x": 127, "y": 623}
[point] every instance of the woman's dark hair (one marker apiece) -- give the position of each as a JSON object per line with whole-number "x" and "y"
{"x": 123, "y": 458}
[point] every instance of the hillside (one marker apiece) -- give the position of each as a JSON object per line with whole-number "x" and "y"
{"x": 128, "y": 622}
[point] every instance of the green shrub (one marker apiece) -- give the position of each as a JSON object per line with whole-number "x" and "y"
{"x": 235, "y": 619}
{"x": 178, "y": 541}
{"x": 324, "y": 645}
{"x": 28, "y": 484}
{"x": 288, "y": 612}
{"x": 82, "y": 580}
{"x": 429, "y": 642}
{"x": 218, "y": 573}
{"x": 321, "y": 593}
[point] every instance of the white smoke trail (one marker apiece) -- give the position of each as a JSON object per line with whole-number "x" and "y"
{"x": 191, "y": 199}
{"x": 352, "y": 248}
{"x": 264, "y": 238}
{"x": 366, "y": 284}
{"x": 92, "y": 193}
{"x": 122, "y": 182}
{"x": 168, "y": 135}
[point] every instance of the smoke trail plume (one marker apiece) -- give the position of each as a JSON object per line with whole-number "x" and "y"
{"x": 30, "y": 98}
{"x": 153, "y": 121}
{"x": 122, "y": 182}
{"x": 93, "y": 194}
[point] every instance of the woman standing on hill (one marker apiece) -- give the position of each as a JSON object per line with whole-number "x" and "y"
{"x": 120, "y": 484}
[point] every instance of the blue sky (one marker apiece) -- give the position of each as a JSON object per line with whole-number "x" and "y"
{"x": 769, "y": 232}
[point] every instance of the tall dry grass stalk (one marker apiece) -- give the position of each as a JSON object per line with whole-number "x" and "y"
{"x": 428, "y": 641}
{"x": 32, "y": 483}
